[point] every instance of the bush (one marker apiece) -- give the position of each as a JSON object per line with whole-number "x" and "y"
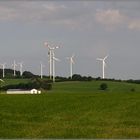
{"x": 132, "y": 89}
{"x": 103, "y": 86}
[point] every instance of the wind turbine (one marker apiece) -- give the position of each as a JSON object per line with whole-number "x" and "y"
{"x": 3, "y": 69}
{"x": 41, "y": 70}
{"x": 14, "y": 67}
{"x": 71, "y": 65}
{"x": 104, "y": 64}
{"x": 21, "y": 68}
{"x": 51, "y": 55}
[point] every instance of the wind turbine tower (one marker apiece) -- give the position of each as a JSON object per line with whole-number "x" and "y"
{"x": 104, "y": 64}
{"x": 71, "y": 65}
{"x": 14, "y": 67}
{"x": 21, "y": 68}
{"x": 50, "y": 59}
{"x": 3, "y": 69}
{"x": 54, "y": 59}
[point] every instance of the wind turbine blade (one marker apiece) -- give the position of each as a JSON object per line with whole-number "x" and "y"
{"x": 57, "y": 47}
{"x": 105, "y": 57}
{"x": 56, "y": 59}
{"x": 49, "y": 47}
{"x": 99, "y": 59}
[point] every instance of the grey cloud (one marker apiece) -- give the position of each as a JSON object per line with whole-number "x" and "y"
{"x": 74, "y": 14}
{"x": 71, "y": 14}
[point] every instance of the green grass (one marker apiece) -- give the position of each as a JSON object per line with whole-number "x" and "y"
{"x": 73, "y": 110}
{"x": 93, "y": 87}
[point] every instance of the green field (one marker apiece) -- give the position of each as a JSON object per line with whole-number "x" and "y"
{"x": 73, "y": 110}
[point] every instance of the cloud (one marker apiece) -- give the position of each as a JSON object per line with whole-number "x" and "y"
{"x": 110, "y": 17}
{"x": 113, "y": 18}
{"x": 29, "y": 11}
{"x": 70, "y": 14}
{"x": 75, "y": 15}
{"x": 7, "y": 13}
{"x": 134, "y": 24}
{"x": 53, "y": 8}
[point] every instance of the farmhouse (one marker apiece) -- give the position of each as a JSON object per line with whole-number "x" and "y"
{"x": 22, "y": 91}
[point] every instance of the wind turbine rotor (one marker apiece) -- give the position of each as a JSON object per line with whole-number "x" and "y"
{"x": 72, "y": 57}
{"x": 72, "y": 61}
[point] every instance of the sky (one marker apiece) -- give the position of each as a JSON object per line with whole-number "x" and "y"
{"x": 88, "y": 29}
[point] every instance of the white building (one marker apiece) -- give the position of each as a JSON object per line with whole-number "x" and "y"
{"x": 22, "y": 91}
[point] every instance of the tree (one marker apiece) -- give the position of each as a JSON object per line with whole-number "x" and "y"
{"x": 103, "y": 86}
{"x": 76, "y": 77}
{"x": 27, "y": 74}
{"x": 132, "y": 89}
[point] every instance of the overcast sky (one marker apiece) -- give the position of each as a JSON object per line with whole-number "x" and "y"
{"x": 89, "y": 29}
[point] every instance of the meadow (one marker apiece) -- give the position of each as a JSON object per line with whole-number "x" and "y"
{"x": 73, "y": 110}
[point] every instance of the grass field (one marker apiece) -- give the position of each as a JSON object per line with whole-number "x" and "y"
{"x": 73, "y": 110}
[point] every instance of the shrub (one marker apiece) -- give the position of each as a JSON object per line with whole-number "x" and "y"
{"x": 103, "y": 86}
{"x": 133, "y": 89}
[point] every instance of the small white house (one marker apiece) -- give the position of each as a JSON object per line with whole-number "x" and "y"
{"x": 33, "y": 91}
{"x": 22, "y": 91}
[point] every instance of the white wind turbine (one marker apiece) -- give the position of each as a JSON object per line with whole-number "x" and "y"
{"x": 3, "y": 69}
{"x": 104, "y": 64}
{"x": 21, "y": 68}
{"x": 41, "y": 70}
{"x": 71, "y": 65}
{"x": 51, "y": 55}
{"x": 14, "y": 67}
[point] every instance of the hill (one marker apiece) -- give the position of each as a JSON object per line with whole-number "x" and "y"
{"x": 93, "y": 87}
{"x": 73, "y": 110}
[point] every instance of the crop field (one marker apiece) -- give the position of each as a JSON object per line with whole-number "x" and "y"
{"x": 73, "y": 110}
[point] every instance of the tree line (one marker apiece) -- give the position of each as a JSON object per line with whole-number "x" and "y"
{"x": 9, "y": 73}
{"x": 33, "y": 83}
